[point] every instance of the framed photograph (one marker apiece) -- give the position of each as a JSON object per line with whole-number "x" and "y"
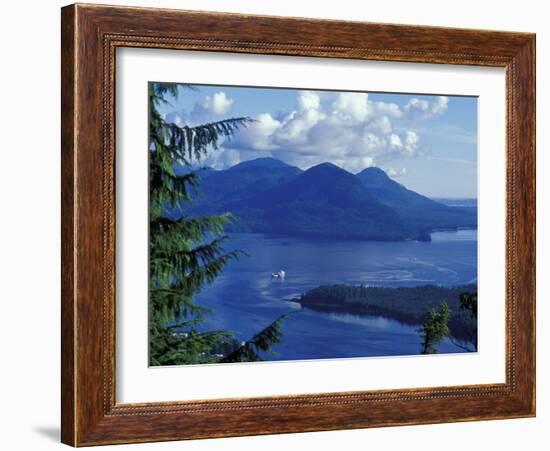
{"x": 279, "y": 225}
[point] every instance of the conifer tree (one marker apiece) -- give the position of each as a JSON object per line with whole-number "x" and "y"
{"x": 185, "y": 253}
{"x": 251, "y": 350}
{"x": 435, "y": 328}
{"x": 468, "y": 303}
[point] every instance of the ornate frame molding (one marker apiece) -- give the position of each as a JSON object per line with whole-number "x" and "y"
{"x": 90, "y": 35}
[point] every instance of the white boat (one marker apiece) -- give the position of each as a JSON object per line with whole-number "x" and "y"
{"x": 278, "y": 275}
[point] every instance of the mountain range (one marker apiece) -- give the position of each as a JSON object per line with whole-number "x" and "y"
{"x": 267, "y": 195}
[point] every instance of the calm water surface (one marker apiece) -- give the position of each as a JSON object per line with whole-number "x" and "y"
{"x": 246, "y": 299}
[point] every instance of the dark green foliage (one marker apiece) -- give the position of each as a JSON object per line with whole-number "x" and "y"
{"x": 251, "y": 350}
{"x": 185, "y": 252}
{"x": 435, "y": 328}
{"x": 170, "y": 347}
{"x": 468, "y": 341}
{"x": 406, "y": 304}
{"x": 468, "y": 301}
{"x": 455, "y": 318}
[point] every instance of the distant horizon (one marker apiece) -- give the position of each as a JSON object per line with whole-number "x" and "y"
{"x": 426, "y": 142}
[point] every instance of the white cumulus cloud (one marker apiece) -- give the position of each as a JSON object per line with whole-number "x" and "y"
{"x": 210, "y": 108}
{"x": 411, "y": 142}
{"x": 348, "y": 129}
{"x": 258, "y": 134}
{"x": 424, "y": 109}
{"x": 175, "y": 118}
{"x": 308, "y": 100}
{"x": 395, "y": 173}
{"x": 351, "y": 107}
{"x": 217, "y": 103}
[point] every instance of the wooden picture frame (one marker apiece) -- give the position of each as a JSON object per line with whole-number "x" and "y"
{"x": 90, "y": 36}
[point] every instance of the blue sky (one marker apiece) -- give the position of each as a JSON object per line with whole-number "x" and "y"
{"x": 426, "y": 142}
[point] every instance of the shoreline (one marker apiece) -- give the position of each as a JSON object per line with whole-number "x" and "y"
{"x": 408, "y": 305}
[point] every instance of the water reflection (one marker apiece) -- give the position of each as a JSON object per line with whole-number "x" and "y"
{"x": 246, "y": 298}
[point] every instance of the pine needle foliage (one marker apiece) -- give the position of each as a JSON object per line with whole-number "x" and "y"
{"x": 468, "y": 302}
{"x": 435, "y": 328}
{"x": 184, "y": 253}
{"x": 251, "y": 350}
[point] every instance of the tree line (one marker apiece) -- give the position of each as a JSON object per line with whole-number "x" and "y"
{"x": 444, "y": 312}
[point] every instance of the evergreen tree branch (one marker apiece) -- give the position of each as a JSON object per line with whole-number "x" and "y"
{"x": 186, "y": 253}
{"x": 250, "y": 351}
{"x": 435, "y": 328}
